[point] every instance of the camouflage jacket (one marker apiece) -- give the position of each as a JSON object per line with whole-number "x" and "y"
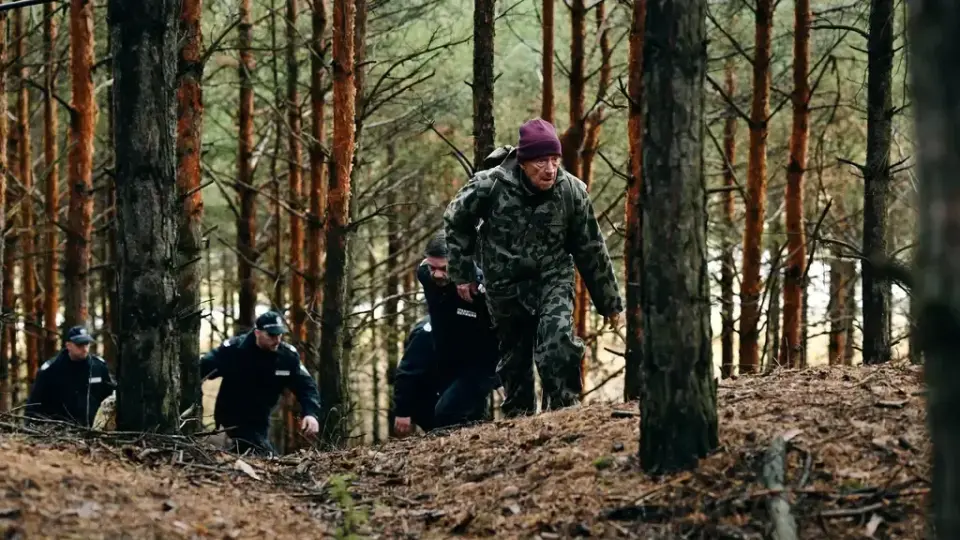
{"x": 528, "y": 237}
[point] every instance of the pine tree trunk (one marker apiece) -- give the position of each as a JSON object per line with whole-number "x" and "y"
{"x": 295, "y": 175}
{"x": 546, "y": 60}
{"x": 877, "y": 177}
{"x": 391, "y": 316}
{"x": 484, "y": 128}
{"x": 5, "y": 273}
{"x": 678, "y": 409}
{"x": 247, "y": 222}
{"x": 756, "y": 198}
{"x": 633, "y": 247}
{"x": 28, "y": 274}
{"x": 144, "y": 40}
{"x": 51, "y": 157}
{"x": 841, "y": 275}
{"x": 190, "y": 199}
{"x": 796, "y": 262}
{"x": 318, "y": 185}
{"x": 728, "y": 265}
{"x": 76, "y": 276}
{"x": 333, "y": 385}
{"x": 934, "y": 43}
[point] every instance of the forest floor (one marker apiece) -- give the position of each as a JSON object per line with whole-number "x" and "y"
{"x": 857, "y": 467}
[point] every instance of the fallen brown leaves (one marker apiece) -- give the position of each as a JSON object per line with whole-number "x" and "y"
{"x": 856, "y": 467}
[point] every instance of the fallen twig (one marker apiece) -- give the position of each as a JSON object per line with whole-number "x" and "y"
{"x": 851, "y": 512}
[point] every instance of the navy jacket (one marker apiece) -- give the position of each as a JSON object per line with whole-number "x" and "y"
{"x": 253, "y": 380}
{"x": 462, "y": 331}
{"x": 415, "y": 385}
{"x": 70, "y": 390}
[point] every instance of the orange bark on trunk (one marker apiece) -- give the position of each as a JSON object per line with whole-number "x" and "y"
{"x": 28, "y": 274}
{"x": 756, "y": 190}
{"x": 190, "y": 244}
{"x": 633, "y": 246}
{"x": 247, "y": 222}
{"x": 336, "y": 228}
{"x": 790, "y": 353}
{"x": 295, "y": 177}
{"x": 51, "y": 156}
{"x": 318, "y": 187}
{"x": 80, "y": 158}
{"x": 591, "y": 143}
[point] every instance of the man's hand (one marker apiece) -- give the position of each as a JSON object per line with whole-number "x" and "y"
{"x": 309, "y": 425}
{"x": 402, "y": 425}
{"x": 613, "y": 321}
{"x": 467, "y": 291}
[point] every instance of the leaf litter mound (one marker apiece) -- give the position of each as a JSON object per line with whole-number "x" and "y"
{"x": 850, "y": 445}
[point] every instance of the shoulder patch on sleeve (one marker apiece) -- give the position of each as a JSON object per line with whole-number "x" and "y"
{"x": 427, "y": 327}
{"x": 227, "y": 343}
{"x": 99, "y": 359}
{"x": 303, "y": 370}
{"x": 47, "y": 364}
{"x": 288, "y": 346}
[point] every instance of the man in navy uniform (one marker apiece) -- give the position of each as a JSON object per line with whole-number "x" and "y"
{"x": 450, "y": 358}
{"x": 256, "y": 367}
{"x": 70, "y": 386}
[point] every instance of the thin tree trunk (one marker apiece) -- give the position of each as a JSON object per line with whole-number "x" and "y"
{"x": 841, "y": 275}
{"x": 295, "y": 175}
{"x": 375, "y": 347}
{"x": 284, "y": 429}
{"x": 318, "y": 186}
{"x": 728, "y": 268}
{"x": 190, "y": 243}
{"x": 484, "y": 128}
{"x": 546, "y": 106}
{"x": 80, "y": 157}
{"x": 756, "y": 190}
{"x": 51, "y": 157}
{"x": 678, "y": 409}
{"x": 633, "y": 246}
{"x": 333, "y": 384}
{"x": 28, "y": 275}
{"x": 247, "y": 222}
{"x": 572, "y": 139}
{"x": 391, "y": 316}
{"x": 6, "y": 278}
{"x": 877, "y": 177}
{"x": 771, "y": 346}
{"x": 276, "y": 210}
{"x": 591, "y": 144}
{"x": 144, "y": 48}
{"x": 796, "y": 243}
{"x": 851, "y": 313}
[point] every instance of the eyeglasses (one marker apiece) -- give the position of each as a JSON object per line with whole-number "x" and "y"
{"x": 542, "y": 162}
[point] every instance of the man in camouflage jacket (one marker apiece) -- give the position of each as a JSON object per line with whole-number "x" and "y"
{"x": 528, "y": 222}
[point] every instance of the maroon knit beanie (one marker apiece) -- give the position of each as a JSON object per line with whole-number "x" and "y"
{"x": 538, "y": 138}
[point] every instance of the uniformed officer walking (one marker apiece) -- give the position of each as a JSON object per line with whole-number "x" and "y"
{"x": 256, "y": 367}
{"x": 450, "y": 358}
{"x": 71, "y": 386}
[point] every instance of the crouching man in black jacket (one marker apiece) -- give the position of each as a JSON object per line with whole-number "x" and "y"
{"x": 256, "y": 367}
{"x": 428, "y": 389}
{"x": 450, "y": 358}
{"x": 71, "y": 386}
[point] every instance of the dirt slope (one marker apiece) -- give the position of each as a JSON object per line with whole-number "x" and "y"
{"x": 858, "y": 466}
